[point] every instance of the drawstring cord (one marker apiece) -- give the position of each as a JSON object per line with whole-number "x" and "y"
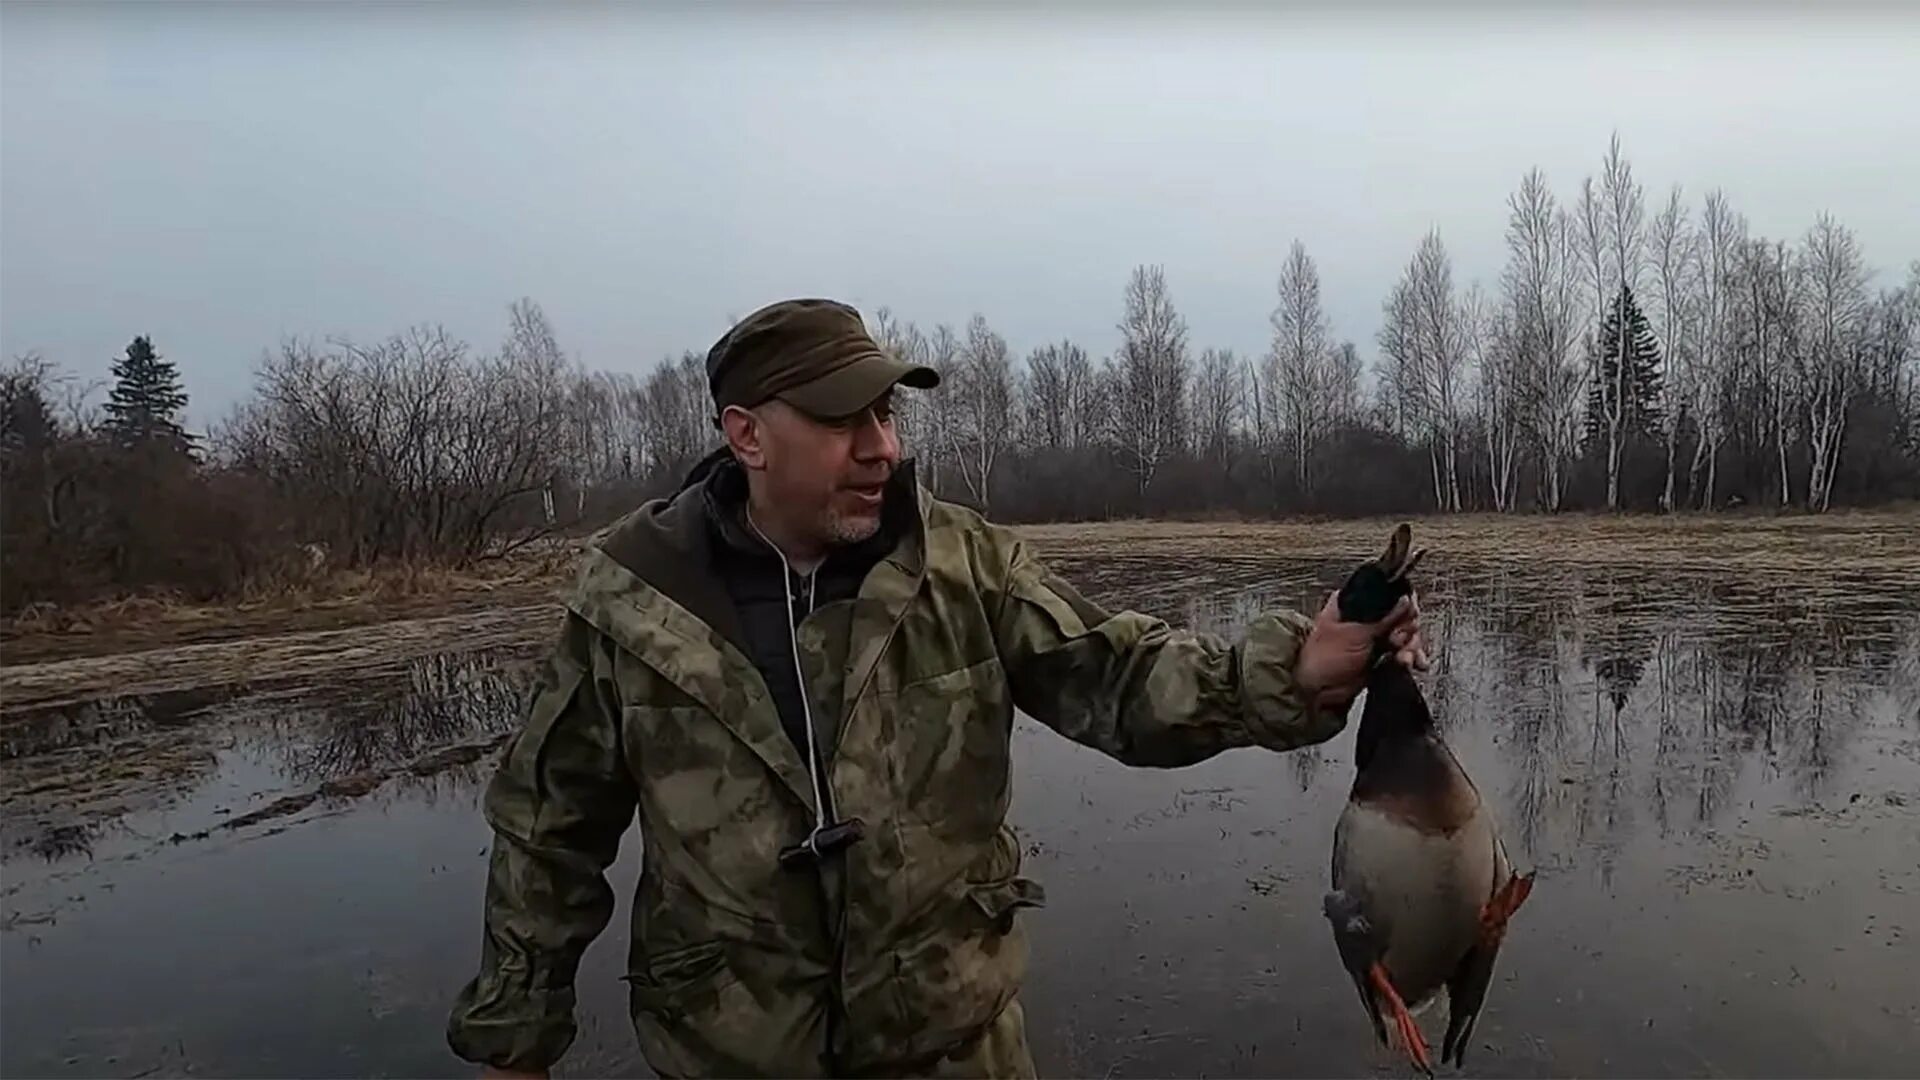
{"x": 800, "y": 674}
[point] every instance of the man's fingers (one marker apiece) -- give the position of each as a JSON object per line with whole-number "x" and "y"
{"x": 1405, "y": 610}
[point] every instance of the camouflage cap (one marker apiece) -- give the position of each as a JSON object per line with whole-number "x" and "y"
{"x": 815, "y": 355}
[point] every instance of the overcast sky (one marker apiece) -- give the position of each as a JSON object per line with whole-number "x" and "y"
{"x": 218, "y": 177}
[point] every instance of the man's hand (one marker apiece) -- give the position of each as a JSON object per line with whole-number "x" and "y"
{"x": 1332, "y": 668}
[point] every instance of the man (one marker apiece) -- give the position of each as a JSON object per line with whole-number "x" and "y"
{"x": 800, "y": 672}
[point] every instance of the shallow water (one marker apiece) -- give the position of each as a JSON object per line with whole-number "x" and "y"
{"x": 1717, "y": 778}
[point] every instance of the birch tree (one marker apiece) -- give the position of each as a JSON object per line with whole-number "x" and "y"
{"x": 930, "y": 416}
{"x": 1422, "y": 336}
{"x": 1500, "y": 351}
{"x": 980, "y": 408}
{"x": 1766, "y": 334}
{"x": 1150, "y": 377}
{"x": 1721, "y": 236}
{"x": 1300, "y": 358}
{"x": 1613, "y": 231}
{"x": 1834, "y": 280}
{"x": 1674, "y": 313}
{"x": 1541, "y": 305}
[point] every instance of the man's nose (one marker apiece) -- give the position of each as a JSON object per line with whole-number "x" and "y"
{"x": 874, "y": 440}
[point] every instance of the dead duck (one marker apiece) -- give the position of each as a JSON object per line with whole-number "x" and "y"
{"x": 1422, "y": 885}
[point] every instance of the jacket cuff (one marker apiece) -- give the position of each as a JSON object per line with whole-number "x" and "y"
{"x": 529, "y": 1039}
{"x": 1278, "y": 716}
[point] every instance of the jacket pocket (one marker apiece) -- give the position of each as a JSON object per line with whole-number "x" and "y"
{"x": 951, "y": 982}
{"x": 680, "y": 981}
{"x": 999, "y": 900}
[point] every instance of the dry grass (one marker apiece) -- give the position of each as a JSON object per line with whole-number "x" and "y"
{"x": 1880, "y": 542}
{"x": 275, "y": 659}
{"x": 334, "y": 600}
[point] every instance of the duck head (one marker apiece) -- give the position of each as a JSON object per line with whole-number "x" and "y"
{"x": 1395, "y": 707}
{"x": 1372, "y": 590}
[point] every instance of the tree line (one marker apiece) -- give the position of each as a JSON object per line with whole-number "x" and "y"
{"x": 1623, "y": 360}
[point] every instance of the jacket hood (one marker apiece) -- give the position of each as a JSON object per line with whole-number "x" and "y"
{"x": 670, "y": 542}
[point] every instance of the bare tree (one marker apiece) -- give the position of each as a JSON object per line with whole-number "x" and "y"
{"x": 1218, "y": 397}
{"x": 1767, "y": 333}
{"x": 928, "y": 417}
{"x": 1835, "y": 283}
{"x": 1058, "y": 386}
{"x": 1301, "y": 361}
{"x": 409, "y": 448}
{"x": 1343, "y": 384}
{"x": 914, "y": 417}
{"x": 1613, "y": 231}
{"x": 1151, "y": 373}
{"x": 1722, "y": 235}
{"x": 1423, "y": 337}
{"x": 981, "y": 405}
{"x": 1501, "y": 357}
{"x": 1676, "y": 261}
{"x": 1541, "y": 309}
{"x": 1897, "y": 355}
{"x": 674, "y": 415}
{"x": 1087, "y": 404}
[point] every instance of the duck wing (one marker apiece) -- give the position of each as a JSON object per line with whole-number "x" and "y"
{"x": 1354, "y": 936}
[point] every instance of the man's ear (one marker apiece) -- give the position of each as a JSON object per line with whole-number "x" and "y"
{"x": 745, "y": 432}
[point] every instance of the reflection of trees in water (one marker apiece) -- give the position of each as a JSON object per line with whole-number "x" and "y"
{"x": 1606, "y": 689}
{"x": 1516, "y": 644}
{"x": 107, "y": 721}
{"x": 446, "y": 699}
{"x": 456, "y": 783}
{"x": 74, "y": 770}
{"x": 1680, "y": 683}
{"x": 1668, "y": 665}
{"x": 57, "y": 842}
{"x": 1306, "y": 762}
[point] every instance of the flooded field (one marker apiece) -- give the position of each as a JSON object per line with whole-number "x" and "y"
{"x": 264, "y": 858}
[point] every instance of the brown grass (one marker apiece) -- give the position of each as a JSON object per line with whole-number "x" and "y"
{"x": 1878, "y": 541}
{"x": 330, "y": 601}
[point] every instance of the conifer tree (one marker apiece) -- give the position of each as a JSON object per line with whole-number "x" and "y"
{"x": 146, "y": 399}
{"x": 1640, "y": 411}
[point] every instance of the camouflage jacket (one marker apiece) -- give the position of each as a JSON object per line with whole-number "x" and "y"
{"x": 905, "y": 944}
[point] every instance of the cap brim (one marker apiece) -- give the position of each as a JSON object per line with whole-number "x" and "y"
{"x": 857, "y": 385}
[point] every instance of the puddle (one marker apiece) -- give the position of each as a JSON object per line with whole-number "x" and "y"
{"x": 1717, "y": 778}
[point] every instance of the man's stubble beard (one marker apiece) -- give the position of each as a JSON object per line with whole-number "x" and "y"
{"x": 841, "y": 529}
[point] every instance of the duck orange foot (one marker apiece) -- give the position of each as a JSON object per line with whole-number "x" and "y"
{"x": 1500, "y": 907}
{"x": 1410, "y": 1038}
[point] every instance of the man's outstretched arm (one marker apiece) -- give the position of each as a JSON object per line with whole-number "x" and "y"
{"x": 1139, "y": 690}
{"x": 558, "y": 805}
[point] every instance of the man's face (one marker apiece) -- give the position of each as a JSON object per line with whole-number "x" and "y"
{"x": 823, "y": 477}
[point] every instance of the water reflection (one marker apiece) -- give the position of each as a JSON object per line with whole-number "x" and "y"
{"x": 1619, "y": 701}
{"x": 70, "y": 776}
{"x": 445, "y": 699}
